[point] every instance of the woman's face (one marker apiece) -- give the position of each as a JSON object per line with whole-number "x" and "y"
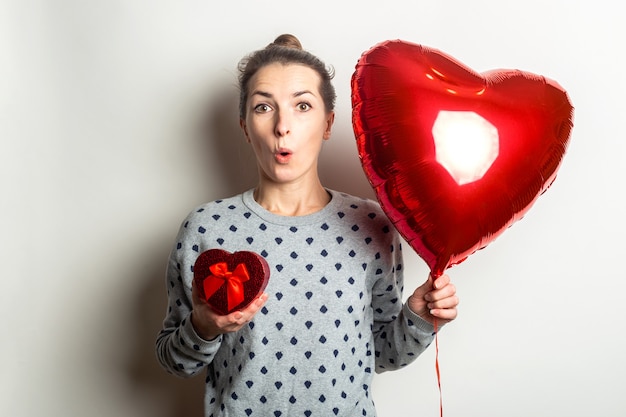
{"x": 286, "y": 122}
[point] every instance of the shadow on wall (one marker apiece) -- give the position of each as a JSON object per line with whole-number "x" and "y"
{"x": 230, "y": 168}
{"x": 175, "y": 396}
{"x": 340, "y": 168}
{"x": 228, "y": 159}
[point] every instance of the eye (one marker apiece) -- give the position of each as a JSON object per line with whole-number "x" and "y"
{"x": 304, "y": 106}
{"x": 262, "y": 108}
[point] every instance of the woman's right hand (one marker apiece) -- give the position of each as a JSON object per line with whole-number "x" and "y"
{"x": 209, "y": 325}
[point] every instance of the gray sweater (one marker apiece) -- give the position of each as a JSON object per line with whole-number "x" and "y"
{"x": 334, "y": 313}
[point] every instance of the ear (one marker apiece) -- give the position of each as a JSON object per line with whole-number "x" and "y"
{"x": 330, "y": 119}
{"x": 242, "y": 123}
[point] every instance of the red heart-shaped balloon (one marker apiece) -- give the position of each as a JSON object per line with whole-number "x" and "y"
{"x": 455, "y": 157}
{"x": 230, "y": 281}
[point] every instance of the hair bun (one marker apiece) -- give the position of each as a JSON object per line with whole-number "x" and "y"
{"x": 286, "y": 40}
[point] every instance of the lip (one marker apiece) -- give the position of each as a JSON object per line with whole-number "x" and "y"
{"x": 283, "y": 155}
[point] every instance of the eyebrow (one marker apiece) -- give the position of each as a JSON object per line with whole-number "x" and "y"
{"x": 270, "y": 95}
{"x": 303, "y": 92}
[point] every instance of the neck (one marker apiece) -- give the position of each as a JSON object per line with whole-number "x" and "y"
{"x": 291, "y": 199}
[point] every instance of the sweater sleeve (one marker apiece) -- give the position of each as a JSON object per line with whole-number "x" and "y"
{"x": 179, "y": 349}
{"x": 400, "y": 335}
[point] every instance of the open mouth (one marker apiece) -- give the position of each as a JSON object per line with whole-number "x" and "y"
{"x": 283, "y": 155}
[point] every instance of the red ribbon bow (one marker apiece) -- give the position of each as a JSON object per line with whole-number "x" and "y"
{"x": 234, "y": 282}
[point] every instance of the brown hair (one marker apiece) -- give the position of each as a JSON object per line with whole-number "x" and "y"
{"x": 286, "y": 49}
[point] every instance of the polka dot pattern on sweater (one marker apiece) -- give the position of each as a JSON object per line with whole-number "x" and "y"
{"x": 334, "y": 313}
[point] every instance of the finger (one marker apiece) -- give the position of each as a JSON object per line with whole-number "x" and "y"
{"x": 254, "y": 307}
{"x": 434, "y": 292}
{"x": 236, "y": 318}
{"x": 241, "y": 317}
{"x": 448, "y": 302}
{"x": 258, "y": 303}
{"x": 194, "y": 290}
{"x": 195, "y": 294}
{"x": 424, "y": 289}
{"x": 445, "y": 292}
{"x": 447, "y": 313}
{"x": 444, "y": 314}
{"x": 441, "y": 281}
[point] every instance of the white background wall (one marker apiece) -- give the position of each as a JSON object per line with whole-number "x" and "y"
{"x": 119, "y": 116}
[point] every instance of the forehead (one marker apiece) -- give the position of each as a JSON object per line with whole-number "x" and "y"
{"x": 285, "y": 77}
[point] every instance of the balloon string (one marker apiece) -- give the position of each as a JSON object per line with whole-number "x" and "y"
{"x": 435, "y": 325}
{"x": 437, "y": 369}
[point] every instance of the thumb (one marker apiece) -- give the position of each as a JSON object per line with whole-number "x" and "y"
{"x": 426, "y": 287}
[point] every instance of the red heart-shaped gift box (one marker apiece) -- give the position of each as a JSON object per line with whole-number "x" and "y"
{"x": 230, "y": 281}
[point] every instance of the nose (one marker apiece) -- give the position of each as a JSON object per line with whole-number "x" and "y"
{"x": 283, "y": 121}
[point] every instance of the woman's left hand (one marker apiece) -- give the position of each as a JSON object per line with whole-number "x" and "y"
{"x": 435, "y": 300}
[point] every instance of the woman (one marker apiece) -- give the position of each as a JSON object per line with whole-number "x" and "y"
{"x": 332, "y": 312}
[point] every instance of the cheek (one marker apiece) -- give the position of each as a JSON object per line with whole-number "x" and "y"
{"x": 255, "y": 133}
{"x": 257, "y": 148}
{"x": 260, "y": 128}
